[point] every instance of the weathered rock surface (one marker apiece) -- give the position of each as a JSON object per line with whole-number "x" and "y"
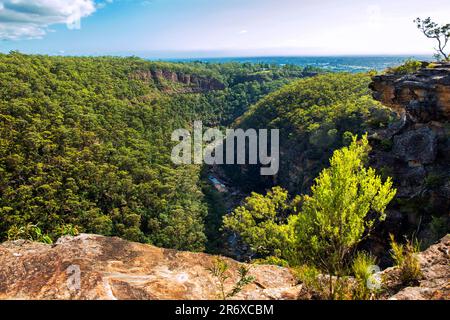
{"x": 415, "y": 151}
{"x": 112, "y": 268}
{"x": 425, "y": 95}
{"x": 435, "y": 265}
{"x": 416, "y": 146}
{"x": 98, "y": 267}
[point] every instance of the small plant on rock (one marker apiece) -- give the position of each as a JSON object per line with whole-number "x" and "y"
{"x": 219, "y": 270}
{"x": 28, "y": 232}
{"x": 405, "y": 258}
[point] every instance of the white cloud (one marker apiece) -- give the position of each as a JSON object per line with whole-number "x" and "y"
{"x": 30, "y": 19}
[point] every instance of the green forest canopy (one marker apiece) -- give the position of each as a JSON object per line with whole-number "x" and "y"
{"x": 85, "y": 145}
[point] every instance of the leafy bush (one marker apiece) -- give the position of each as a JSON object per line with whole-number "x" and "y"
{"x": 334, "y": 219}
{"x": 330, "y": 223}
{"x": 261, "y": 222}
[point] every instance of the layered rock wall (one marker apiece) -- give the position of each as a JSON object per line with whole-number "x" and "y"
{"x": 193, "y": 83}
{"x": 415, "y": 151}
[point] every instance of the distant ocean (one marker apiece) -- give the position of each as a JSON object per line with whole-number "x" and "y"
{"x": 332, "y": 63}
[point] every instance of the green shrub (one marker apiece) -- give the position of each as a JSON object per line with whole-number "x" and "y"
{"x": 334, "y": 219}
{"x": 261, "y": 222}
{"x": 28, "y": 232}
{"x": 410, "y": 66}
{"x": 331, "y": 221}
{"x": 405, "y": 258}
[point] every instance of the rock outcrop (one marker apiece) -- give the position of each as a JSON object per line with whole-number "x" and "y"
{"x": 415, "y": 151}
{"x": 425, "y": 94}
{"x": 191, "y": 83}
{"x": 97, "y": 267}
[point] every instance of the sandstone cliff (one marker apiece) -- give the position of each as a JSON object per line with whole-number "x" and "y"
{"x": 190, "y": 83}
{"x": 97, "y": 267}
{"x": 415, "y": 151}
{"x": 424, "y": 95}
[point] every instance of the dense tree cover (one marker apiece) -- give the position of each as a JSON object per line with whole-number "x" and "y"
{"x": 322, "y": 229}
{"x": 232, "y": 73}
{"x": 245, "y": 85}
{"x": 85, "y": 145}
{"x": 315, "y": 116}
{"x": 80, "y": 146}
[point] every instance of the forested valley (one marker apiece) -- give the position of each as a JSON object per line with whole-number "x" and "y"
{"x": 85, "y": 146}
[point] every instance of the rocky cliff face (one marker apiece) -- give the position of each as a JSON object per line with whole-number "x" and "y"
{"x": 424, "y": 95}
{"x": 97, "y": 267}
{"x": 416, "y": 150}
{"x": 191, "y": 83}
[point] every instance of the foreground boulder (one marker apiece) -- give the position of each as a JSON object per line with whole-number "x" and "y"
{"x": 97, "y": 267}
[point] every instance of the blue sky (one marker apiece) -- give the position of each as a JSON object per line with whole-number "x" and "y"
{"x": 207, "y": 28}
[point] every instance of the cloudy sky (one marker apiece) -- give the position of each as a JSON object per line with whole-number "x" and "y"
{"x": 184, "y": 28}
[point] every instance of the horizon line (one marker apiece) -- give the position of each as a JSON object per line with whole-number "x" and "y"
{"x": 161, "y": 56}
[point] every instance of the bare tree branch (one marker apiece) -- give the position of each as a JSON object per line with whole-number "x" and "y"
{"x": 434, "y": 31}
